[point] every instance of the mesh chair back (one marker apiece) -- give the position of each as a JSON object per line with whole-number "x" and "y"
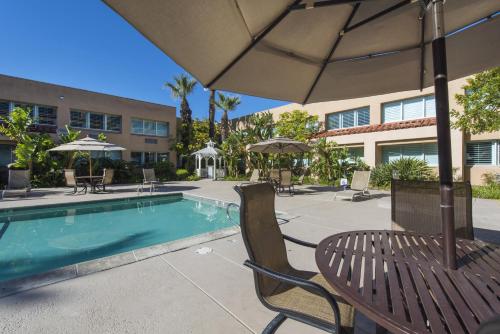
{"x": 69, "y": 175}
{"x": 107, "y": 177}
{"x": 19, "y": 179}
{"x": 255, "y": 176}
{"x": 416, "y": 207}
{"x": 262, "y": 236}
{"x": 274, "y": 174}
{"x": 286, "y": 178}
{"x": 149, "y": 174}
{"x": 360, "y": 180}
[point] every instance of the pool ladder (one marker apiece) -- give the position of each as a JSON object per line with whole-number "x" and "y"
{"x": 229, "y": 216}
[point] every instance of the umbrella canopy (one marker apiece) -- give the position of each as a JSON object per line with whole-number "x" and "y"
{"x": 88, "y": 144}
{"x": 312, "y": 51}
{"x": 279, "y": 145}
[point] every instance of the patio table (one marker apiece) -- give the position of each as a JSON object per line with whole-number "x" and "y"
{"x": 92, "y": 180}
{"x": 397, "y": 279}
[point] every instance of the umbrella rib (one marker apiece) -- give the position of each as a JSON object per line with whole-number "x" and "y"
{"x": 332, "y": 51}
{"x": 269, "y": 28}
{"x": 379, "y": 14}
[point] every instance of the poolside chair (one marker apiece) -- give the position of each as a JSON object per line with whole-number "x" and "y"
{"x": 72, "y": 181}
{"x": 304, "y": 296}
{"x": 255, "y": 177}
{"x": 416, "y": 207}
{"x": 19, "y": 182}
{"x": 359, "y": 186}
{"x": 107, "y": 178}
{"x": 150, "y": 178}
{"x": 286, "y": 182}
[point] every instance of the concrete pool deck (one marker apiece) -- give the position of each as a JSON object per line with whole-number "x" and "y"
{"x": 187, "y": 292}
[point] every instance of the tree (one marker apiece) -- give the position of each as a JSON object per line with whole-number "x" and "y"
{"x": 68, "y": 137}
{"x": 234, "y": 151}
{"x": 201, "y": 134}
{"x": 481, "y": 104}
{"x": 297, "y": 125}
{"x": 211, "y": 115}
{"x": 182, "y": 86}
{"x": 226, "y": 104}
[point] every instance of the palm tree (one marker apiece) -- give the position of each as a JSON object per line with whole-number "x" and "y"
{"x": 182, "y": 86}
{"x": 226, "y": 103}
{"x": 211, "y": 115}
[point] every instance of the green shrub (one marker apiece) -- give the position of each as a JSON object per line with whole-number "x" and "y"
{"x": 164, "y": 171}
{"x": 182, "y": 174}
{"x": 237, "y": 178}
{"x": 193, "y": 178}
{"x": 406, "y": 169}
{"x": 490, "y": 191}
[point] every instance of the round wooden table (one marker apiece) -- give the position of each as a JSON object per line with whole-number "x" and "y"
{"x": 397, "y": 279}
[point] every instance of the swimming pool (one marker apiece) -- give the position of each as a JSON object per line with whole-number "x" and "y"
{"x": 40, "y": 239}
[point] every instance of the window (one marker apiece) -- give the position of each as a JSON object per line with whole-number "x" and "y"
{"x": 136, "y": 157}
{"x": 146, "y": 158}
{"x": 149, "y": 128}
{"x": 163, "y": 157}
{"x": 46, "y": 115}
{"x": 427, "y": 152}
{"x": 418, "y": 107}
{"x": 4, "y": 108}
{"x": 483, "y": 153}
{"x": 149, "y": 157}
{"x": 6, "y": 154}
{"x": 356, "y": 152}
{"x": 348, "y": 119}
{"x": 95, "y": 121}
{"x": 43, "y": 115}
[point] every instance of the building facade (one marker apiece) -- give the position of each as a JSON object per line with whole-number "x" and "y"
{"x": 147, "y": 130}
{"x": 386, "y": 127}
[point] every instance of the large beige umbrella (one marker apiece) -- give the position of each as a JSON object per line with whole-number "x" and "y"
{"x": 310, "y": 51}
{"x": 88, "y": 144}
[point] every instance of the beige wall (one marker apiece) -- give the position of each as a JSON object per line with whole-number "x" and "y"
{"x": 373, "y": 141}
{"x": 65, "y": 99}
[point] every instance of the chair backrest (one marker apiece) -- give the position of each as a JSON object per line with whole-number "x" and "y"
{"x": 415, "y": 206}
{"x": 149, "y": 174}
{"x": 360, "y": 180}
{"x": 262, "y": 236}
{"x": 107, "y": 176}
{"x": 301, "y": 179}
{"x": 286, "y": 178}
{"x": 274, "y": 174}
{"x": 255, "y": 176}
{"x": 19, "y": 179}
{"x": 69, "y": 175}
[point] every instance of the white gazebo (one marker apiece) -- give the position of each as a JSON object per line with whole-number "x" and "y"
{"x": 209, "y": 162}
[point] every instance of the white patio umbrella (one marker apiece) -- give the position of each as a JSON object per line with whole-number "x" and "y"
{"x": 310, "y": 51}
{"x": 279, "y": 145}
{"x": 88, "y": 144}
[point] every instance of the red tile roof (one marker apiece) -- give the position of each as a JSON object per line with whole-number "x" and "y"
{"x": 415, "y": 123}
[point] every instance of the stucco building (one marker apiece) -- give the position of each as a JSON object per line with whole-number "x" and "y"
{"x": 386, "y": 127}
{"x": 145, "y": 129}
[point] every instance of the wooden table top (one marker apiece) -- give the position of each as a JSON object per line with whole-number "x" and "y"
{"x": 397, "y": 279}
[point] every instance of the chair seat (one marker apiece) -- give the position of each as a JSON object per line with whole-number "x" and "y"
{"x": 296, "y": 299}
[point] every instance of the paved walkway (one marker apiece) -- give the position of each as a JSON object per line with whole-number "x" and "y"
{"x": 185, "y": 292}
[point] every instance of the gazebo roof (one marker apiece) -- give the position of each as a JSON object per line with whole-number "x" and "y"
{"x": 209, "y": 151}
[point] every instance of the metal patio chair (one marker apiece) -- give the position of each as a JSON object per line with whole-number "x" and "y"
{"x": 19, "y": 182}
{"x": 286, "y": 182}
{"x": 107, "y": 178}
{"x": 149, "y": 178}
{"x": 359, "y": 186}
{"x": 72, "y": 181}
{"x": 415, "y": 207}
{"x": 296, "y": 294}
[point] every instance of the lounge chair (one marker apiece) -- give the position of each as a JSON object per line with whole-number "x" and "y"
{"x": 359, "y": 186}
{"x": 304, "y": 296}
{"x": 416, "y": 207}
{"x": 72, "y": 181}
{"x": 150, "y": 178}
{"x": 286, "y": 182}
{"x": 107, "y": 178}
{"x": 301, "y": 295}
{"x": 19, "y": 182}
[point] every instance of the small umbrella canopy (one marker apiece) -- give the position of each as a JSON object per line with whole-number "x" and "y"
{"x": 88, "y": 144}
{"x": 279, "y": 145}
{"x": 312, "y": 51}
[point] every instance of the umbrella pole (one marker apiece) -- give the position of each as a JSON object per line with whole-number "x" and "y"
{"x": 90, "y": 164}
{"x": 443, "y": 135}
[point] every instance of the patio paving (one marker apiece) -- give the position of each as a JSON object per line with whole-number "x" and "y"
{"x": 185, "y": 292}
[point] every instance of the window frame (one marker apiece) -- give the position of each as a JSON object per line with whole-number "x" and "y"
{"x": 144, "y": 120}
{"x": 87, "y": 114}
{"x": 35, "y": 115}
{"x": 400, "y": 150}
{"x": 355, "y": 112}
{"x": 401, "y": 108}
{"x": 495, "y": 153}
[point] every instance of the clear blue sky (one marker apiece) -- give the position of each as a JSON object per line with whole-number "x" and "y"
{"x": 83, "y": 44}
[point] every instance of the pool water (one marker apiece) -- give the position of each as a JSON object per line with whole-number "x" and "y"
{"x": 37, "y": 240}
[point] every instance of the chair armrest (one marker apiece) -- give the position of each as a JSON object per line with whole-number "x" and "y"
{"x": 299, "y": 242}
{"x": 302, "y": 283}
